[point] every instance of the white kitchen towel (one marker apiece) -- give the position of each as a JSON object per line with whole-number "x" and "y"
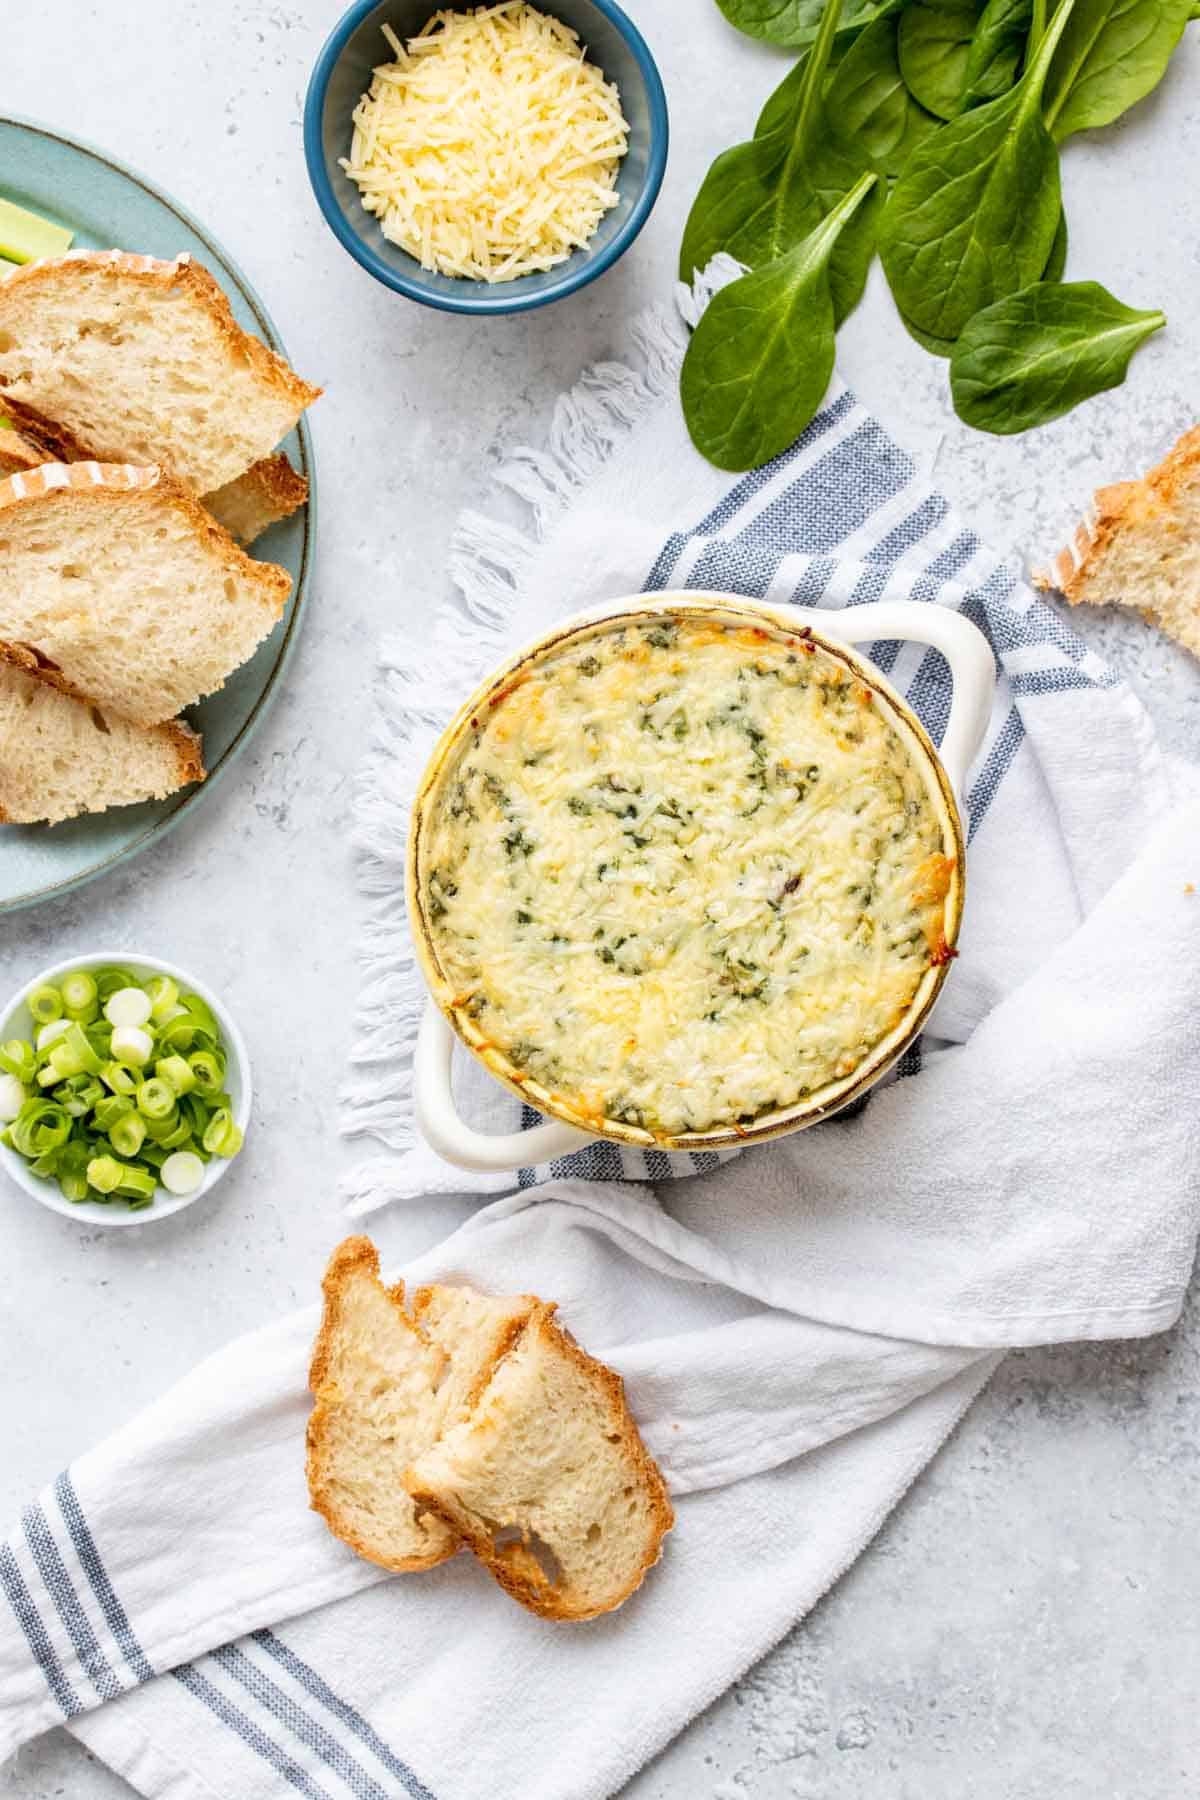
{"x": 798, "y": 1329}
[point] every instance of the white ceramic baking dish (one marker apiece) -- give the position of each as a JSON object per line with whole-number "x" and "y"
{"x": 972, "y": 672}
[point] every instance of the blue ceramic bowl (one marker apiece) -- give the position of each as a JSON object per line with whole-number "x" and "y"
{"x": 343, "y": 73}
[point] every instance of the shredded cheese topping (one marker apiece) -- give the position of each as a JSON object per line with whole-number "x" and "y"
{"x": 683, "y": 874}
{"x": 489, "y": 149}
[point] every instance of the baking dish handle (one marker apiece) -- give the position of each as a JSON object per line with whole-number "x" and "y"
{"x": 444, "y": 1131}
{"x": 972, "y": 665}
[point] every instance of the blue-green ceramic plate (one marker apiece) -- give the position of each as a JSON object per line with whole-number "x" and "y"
{"x": 107, "y": 206}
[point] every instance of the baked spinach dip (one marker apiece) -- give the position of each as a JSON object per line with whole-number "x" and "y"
{"x": 679, "y": 874}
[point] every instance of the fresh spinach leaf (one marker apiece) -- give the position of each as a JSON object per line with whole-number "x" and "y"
{"x": 1056, "y": 262}
{"x": 761, "y": 198}
{"x": 779, "y": 108}
{"x": 1112, "y": 54}
{"x": 781, "y": 102}
{"x": 868, "y": 105}
{"x": 760, "y": 359}
{"x": 791, "y": 22}
{"x": 974, "y": 215}
{"x": 934, "y": 47}
{"x": 997, "y": 51}
{"x": 1035, "y": 355}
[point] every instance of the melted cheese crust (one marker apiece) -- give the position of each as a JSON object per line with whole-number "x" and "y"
{"x": 683, "y": 874}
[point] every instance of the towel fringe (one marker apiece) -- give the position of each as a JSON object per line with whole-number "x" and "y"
{"x": 417, "y": 691}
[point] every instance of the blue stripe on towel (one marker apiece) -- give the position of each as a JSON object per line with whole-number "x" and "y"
{"x": 251, "y": 1734}
{"x": 731, "y": 504}
{"x": 343, "y": 1712}
{"x": 58, "y": 1585}
{"x": 290, "y": 1714}
{"x": 830, "y": 499}
{"x": 36, "y": 1636}
{"x": 999, "y": 761}
{"x": 89, "y": 1557}
{"x": 903, "y": 538}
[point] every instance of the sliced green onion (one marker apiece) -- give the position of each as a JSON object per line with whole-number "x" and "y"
{"x": 178, "y": 1035}
{"x": 104, "y": 1174}
{"x": 45, "y": 1003}
{"x": 159, "y": 1129}
{"x": 164, "y": 997}
{"x": 18, "y": 1058}
{"x": 79, "y": 991}
{"x": 71, "y": 1054}
{"x": 176, "y": 1138}
{"x": 74, "y": 1100}
{"x": 128, "y": 1134}
{"x": 182, "y": 1173}
{"x": 128, "y": 1006}
{"x": 73, "y": 1184}
{"x": 156, "y": 1098}
{"x": 197, "y": 1112}
{"x": 208, "y": 1066}
{"x": 81, "y": 1104}
{"x": 80, "y": 1045}
{"x": 201, "y": 1013}
{"x": 222, "y": 1137}
{"x": 132, "y": 1046}
{"x": 51, "y": 1032}
{"x": 121, "y": 1081}
{"x": 110, "y": 1110}
{"x": 177, "y": 1072}
{"x": 137, "y": 1185}
{"x": 109, "y": 979}
{"x": 40, "y": 1126}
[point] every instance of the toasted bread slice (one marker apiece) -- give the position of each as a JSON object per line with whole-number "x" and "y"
{"x": 60, "y": 757}
{"x": 27, "y": 440}
{"x": 385, "y": 1385}
{"x": 144, "y": 362}
{"x": 265, "y": 494}
{"x": 126, "y": 589}
{"x": 548, "y": 1481}
{"x": 1139, "y": 547}
{"x": 269, "y": 491}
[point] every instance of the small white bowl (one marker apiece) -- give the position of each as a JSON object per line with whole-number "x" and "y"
{"x": 15, "y": 1021}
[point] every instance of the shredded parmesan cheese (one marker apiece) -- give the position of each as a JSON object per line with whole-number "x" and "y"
{"x": 489, "y": 148}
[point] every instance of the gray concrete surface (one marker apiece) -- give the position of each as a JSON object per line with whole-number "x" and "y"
{"x": 1025, "y": 1627}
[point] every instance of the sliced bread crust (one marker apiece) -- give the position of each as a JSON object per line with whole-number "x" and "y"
{"x": 269, "y": 491}
{"x": 125, "y": 590}
{"x": 1138, "y": 546}
{"x": 374, "y": 1382}
{"x": 550, "y": 1459}
{"x": 27, "y": 440}
{"x": 143, "y": 361}
{"x": 385, "y": 1385}
{"x": 60, "y": 757}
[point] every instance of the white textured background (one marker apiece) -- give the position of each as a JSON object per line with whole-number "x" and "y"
{"x": 1026, "y": 1625}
